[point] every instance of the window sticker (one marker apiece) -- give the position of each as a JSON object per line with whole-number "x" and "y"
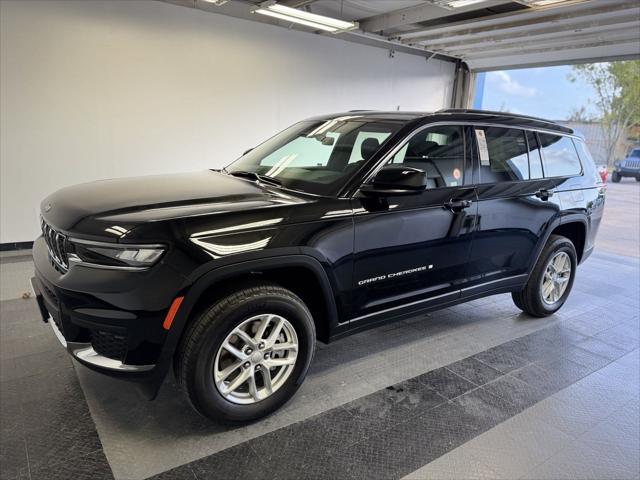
{"x": 482, "y": 148}
{"x": 457, "y": 173}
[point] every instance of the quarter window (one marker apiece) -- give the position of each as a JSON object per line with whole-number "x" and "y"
{"x": 559, "y": 156}
{"x": 438, "y": 151}
{"x": 504, "y": 155}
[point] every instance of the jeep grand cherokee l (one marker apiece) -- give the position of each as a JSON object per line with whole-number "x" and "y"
{"x": 335, "y": 225}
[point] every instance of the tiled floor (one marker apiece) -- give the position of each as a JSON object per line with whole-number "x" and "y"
{"x": 475, "y": 391}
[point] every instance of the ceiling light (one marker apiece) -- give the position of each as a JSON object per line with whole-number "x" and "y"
{"x": 455, "y": 3}
{"x": 303, "y": 17}
{"x": 217, "y": 3}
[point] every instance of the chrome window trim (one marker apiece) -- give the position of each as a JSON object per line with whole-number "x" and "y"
{"x": 383, "y": 161}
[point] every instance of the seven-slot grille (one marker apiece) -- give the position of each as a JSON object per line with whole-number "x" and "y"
{"x": 632, "y": 163}
{"x": 56, "y": 244}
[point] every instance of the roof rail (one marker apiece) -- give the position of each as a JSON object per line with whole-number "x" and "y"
{"x": 492, "y": 112}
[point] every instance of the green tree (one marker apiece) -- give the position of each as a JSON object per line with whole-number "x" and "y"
{"x": 580, "y": 115}
{"x": 617, "y": 87}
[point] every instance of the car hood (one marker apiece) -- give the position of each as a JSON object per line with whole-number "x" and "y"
{"x": 134, "y": 200}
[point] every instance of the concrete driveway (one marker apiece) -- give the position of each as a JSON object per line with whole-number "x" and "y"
{"x": 620, "y": 228}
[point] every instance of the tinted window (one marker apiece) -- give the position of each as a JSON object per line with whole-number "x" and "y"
{"x": 370, "y": 140}
{"x": 635, "y": 153}
{"x": 317, "y": 156}
{"x": 507, "y": 154}
{"x": 439, "y": 151}
{"x": 559, "y": 156}
{"x": 535, "y": 161}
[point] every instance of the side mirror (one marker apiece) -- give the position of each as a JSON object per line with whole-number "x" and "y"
{"x": 396, "y": 180}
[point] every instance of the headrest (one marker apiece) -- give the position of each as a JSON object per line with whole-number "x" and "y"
{"x": 369, "y": 147}
{"x": 421, "y": 149}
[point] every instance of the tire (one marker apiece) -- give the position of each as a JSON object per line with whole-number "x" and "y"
{"x": 637, "y": 179}
{"x": 615, "y": 177}
{"x": 531, "y": 299}
{"x": 201, "y": 351}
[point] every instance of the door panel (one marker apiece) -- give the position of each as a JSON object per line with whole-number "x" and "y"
{"x": 414, "y": 249}
{"x": 513, "y": 210}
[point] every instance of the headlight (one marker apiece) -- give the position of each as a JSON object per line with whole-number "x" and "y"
{"x": 105, "y": 255}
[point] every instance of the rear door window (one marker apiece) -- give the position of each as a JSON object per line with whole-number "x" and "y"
{"x": 559, "y": 156}
{"x": 502, "y": 153}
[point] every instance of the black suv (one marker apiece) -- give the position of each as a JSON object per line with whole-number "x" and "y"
{"x": 335, "y": 225}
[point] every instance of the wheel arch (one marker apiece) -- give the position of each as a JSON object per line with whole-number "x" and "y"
{"x": 575, "y": 229}
{"x": 302, "y": 274}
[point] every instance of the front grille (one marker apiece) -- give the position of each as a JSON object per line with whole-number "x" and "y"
{"x": 109, "y": 344}
{"x": 635, "y": 164}
{"x": 56, "y": 244}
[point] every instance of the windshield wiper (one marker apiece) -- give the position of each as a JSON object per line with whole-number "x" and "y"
{"x": 255, "y": 176}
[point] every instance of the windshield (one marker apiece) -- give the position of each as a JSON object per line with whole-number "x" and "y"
{"x": 635, "y": 153}
{"x": 316, "y": 157}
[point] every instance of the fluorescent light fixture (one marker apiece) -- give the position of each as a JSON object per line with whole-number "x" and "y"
{"x": 217, "y": 3}
{"x": 303, "y": 17}
{"x": 455, "y": 3}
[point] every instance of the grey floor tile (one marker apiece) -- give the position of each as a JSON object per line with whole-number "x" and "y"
{"x": 93, "y": 466}
{"x": 446, "y": 383}
{"x": 601, "y": 348}
{"x": 475, "y": 371}
{"x": 455, "y": 465}
{"x": 502, "y": 358}
{"x": 515, "y": 391}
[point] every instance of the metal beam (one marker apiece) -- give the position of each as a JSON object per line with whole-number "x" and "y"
{"x": 522, "y": 19}
{"x": 557, "y": 38}
{"x": 538, "y": 30}
{"x": 535, "y": 61}
{"x": 417, "y": 14}
{"x": 629, "y": 40}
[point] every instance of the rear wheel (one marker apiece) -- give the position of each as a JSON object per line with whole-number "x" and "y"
{"x": 615, "y": 177}
{"x": 247, "y": 354}
{"x": 550, "y": 282}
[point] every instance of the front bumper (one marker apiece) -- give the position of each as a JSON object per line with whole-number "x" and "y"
{"x": 109, "y": 321}
{"x": 82, "y": 351}
{"x": 628, "y": 172}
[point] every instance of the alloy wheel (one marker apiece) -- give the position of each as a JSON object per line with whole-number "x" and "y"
{"x": 255, "y": 359}
{"x": 556, "y": 278}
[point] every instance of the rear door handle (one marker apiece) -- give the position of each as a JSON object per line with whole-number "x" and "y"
{"x": 544, "y": 194}
{"x": 456, "y": 205}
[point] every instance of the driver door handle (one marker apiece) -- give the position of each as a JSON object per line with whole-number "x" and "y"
{"x": 456, "y": 205}
{"x": 544, "y": 194}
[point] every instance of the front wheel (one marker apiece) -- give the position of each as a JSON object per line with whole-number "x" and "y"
{"x": 615, "y": 177}
{"x": 551, "y": 280}
{"x": 247, "y": 354}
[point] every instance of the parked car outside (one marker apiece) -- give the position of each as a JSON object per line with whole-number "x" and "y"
{"x": 628, "y": 167}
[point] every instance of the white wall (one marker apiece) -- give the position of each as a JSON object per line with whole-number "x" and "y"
{"x": 102, "y": 89}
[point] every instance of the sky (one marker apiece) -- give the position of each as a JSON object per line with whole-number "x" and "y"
{"x": 541, "y": 92}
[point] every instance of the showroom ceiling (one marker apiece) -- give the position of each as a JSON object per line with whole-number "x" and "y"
{"x": 486, "y": 34}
